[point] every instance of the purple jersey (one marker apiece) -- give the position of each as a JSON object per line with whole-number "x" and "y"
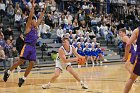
{"x": 28, "y": 51}
{"x": 31, "y": 37}
{"x": 133, "y": 53}
{"x": 137, "y": 63}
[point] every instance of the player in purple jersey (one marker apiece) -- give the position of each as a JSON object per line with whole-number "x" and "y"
{"x": 28, "y": 51}
{"x": 136, "y": 68}
{"x": 132, "y": 52}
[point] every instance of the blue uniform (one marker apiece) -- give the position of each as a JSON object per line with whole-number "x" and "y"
{"x": 99, "y": 51}
{"x": 80, "y": 51}
{"x": 94, "y": 53}
{"x": 87, "y": 52}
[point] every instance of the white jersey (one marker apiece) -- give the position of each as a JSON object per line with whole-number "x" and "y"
{"x": 60, "y": 64}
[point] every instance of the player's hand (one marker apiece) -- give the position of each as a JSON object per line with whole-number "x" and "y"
{"x": 124, "y": 59}
{"x": 33, "y": 3}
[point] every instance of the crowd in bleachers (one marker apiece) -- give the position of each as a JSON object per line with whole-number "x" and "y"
{"x": 81, "y": 21}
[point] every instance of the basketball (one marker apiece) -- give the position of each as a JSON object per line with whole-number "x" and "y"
{"x": 81, "y": 60}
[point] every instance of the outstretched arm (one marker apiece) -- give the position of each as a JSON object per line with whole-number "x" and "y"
{"x": 29, "y": 21}
{"x": 41, "y": 16}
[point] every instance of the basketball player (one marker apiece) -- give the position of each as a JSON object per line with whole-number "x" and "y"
{"x": 132, "y": 52}
{"x": 63, "y": 61}
{"x": 136, "y": 68}
{"x": 29, "y": 50}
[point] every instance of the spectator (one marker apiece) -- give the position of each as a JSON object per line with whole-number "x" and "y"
{"x": 18, "y": 20}
{"x": 16, "y": 57}
{"x": 8, "y": 51}
{"x": 44, "y": 30}
{"x": 2, "y": 41}
{"x": 60, "y": 34}
{"x": 2, "y": 7}
{"x": 18, "y": 9}
{"x": 10, "y": 13}
{"x": 19, "y": 43}
{"x": 41, "y": 4}
{"x": 2, "y": 57}
{"x": 8, "y": 32}
{"x": 1, "y": 27}
{"x": 2, "y": 10}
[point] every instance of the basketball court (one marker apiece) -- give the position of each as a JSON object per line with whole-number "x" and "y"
{"x": 110, "y": 78}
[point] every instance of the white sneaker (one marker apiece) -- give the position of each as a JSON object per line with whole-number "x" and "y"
{"x": 86, "y": 64}
{"x": 101, "y": 63}
{"x": 105, "y": 60}
{"x": 84, "y": 86}
{"x": 93, "y": 64}
{"x": 97, "y": 64}
{"x": 46, "y": 86}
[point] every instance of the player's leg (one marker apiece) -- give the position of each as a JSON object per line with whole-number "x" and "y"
{"x": 101, "y": 58}
{"x": 130, "y": 83}
{"x": 76, "y": 76}
{"x": 7, "y": 72}
{"x": 92, "y": 60}
{"x": 128, "y": 67}
{"x": 28, "y": 70}
{"x": 55, "y": 76}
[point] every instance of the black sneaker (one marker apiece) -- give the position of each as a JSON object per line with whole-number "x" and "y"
{"x": 6, "y": 75}
{"x": 21, "y": 81}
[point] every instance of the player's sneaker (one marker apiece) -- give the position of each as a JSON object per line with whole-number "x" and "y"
{"x": 21, "y": 81}
{"x": 84, "y": 86}
{"x": 6, "y": 75}
{"x": 101, "y": 63}
{"x": 46, "y": 86}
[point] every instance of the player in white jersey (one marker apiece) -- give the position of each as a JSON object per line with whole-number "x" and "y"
{"x": 63, "y": 62}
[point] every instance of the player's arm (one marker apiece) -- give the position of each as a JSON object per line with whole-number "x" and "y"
{"x": 130, "y": 41}
{"x": 63, "y": 57}
{"x": 41, "y": 16}
{"x": 126, "y": 39}
{"x": 28, "y": 24}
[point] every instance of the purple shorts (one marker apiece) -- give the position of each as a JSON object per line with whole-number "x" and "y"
{"x": 133, "y": 57}
{"x": 136, "y": 69}
{"x": 28, "y": 52}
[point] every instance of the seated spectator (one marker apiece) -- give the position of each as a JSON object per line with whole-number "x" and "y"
{"x": 2, "y": 41}
{"x": 87, "y": 52}
{"x": 100, "y": 54}
{"x": 44, "y": 30}
{"x": 49, "y": 21}
{"x": 15, "y": 57}
{"x": 2, "y": 8}
{"x": 10, "y": 11}
{"x": 1, "y": 27}
{"x": 79, "y": 49}
{"x": 18, "y": 9}
{"x": 55, "y": 19}
{"x": 18, "y": 20}
{"x": 41, "y": 4}
{"x": 75, "y": 25}
{"x": 19, "y": 43}
{"x": 8, "y": 51}
{"x": 2, "y": 57}
{"x": 8, "y": 32}
{"x": 60, "y": 34}
{"x": 94, "y": 54}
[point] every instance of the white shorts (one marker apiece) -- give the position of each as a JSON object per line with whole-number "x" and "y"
{"x": 61, "y": 65}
